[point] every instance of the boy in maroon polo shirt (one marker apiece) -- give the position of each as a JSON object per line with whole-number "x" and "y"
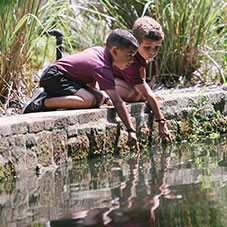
{"x": 68, "y": 83}
{"x": 130, "y": 82}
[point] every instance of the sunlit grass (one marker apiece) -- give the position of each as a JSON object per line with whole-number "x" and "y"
{"x": 18, "y": 23}
{"x": 25, "y": 49}
{"x": 192, "y": 43}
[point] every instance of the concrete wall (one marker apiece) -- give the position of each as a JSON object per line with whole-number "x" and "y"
{"x": 49, "y": 139}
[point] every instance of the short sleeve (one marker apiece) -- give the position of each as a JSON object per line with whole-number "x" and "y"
{"x": 104, "y": 77}
{"x": 131, "y": 74}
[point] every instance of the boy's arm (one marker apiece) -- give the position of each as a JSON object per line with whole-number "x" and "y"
{"x": 106, "y": 97}
{"x": 147, "y": 93}
{"x": 124, "y": 115}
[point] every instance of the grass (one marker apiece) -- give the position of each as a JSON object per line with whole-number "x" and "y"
{"x": 17, "y": 34}
{"x": 191, "y": 38}
{"x": 25, "y": 50}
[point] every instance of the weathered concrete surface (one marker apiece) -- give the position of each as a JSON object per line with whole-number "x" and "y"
{"x": 53, "y": 138}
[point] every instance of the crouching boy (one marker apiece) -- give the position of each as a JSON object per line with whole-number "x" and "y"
{"x": 67, "y": 82}
{"x": 130, "y": 82}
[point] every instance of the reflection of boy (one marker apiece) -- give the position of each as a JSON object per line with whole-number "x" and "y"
{"x": 130, "y": 82}
{"x": 68, "y": 82}
{"x": 137, "y": 209}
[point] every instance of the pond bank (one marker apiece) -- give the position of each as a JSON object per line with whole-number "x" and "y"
{"x": 43, "y": 140}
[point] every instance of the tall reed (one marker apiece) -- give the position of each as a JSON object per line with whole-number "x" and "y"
{"x": 190, "y": 29}
{"x": 125, "y": 12}
{"x": 24, "y": 49}
{"x": 18, "y": 30}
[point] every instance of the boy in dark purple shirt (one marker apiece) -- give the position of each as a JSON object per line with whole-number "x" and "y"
{"x": 130, "y": 82}
{"x": 93, "y": 64}
{"x": 69, "y": 82}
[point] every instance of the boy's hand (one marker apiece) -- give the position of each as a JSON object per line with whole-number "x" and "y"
{"x": 164, "y": 132}
{"x": 132, "y": 140}
{"x": 109, "y": 103}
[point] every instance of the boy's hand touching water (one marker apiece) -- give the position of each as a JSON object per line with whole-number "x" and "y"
{"x": 132, "y": 140}
{"x": 163, "y": 131}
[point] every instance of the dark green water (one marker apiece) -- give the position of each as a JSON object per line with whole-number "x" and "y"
{"x": 185, "y": 186}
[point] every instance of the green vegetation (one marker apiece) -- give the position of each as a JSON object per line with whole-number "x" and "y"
{"x": 18, "y": 21}
{"x": 195, "y": 41}
{"x": 194, "y": 49}
{"x": 202, "y": 121}
{"x": 24, "y": 49}
{"x": 6, "y": 171}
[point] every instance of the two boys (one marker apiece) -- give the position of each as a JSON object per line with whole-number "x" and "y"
{"x": 69, "y": 82}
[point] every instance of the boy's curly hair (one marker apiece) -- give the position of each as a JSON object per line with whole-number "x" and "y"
{"x": 147, "y": 28}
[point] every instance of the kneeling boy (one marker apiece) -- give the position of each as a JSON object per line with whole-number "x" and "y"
{"x": 67, "y": 82}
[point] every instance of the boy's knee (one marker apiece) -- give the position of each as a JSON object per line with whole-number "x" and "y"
{"x": 99, "y": 98}
{"x": 138, "y": 97}
{"x": 133, "y": 96}
{"x": 90, "y": 101}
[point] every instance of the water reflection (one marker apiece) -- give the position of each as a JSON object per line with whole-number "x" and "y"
{"x": 132, "y": 205}
{"x": 183, "y": 186}
{"x": 137, "y": 205}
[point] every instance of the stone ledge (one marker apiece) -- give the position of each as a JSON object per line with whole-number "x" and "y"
{"x": 54, "y": 138}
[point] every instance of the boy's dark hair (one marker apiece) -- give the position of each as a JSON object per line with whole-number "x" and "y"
{"x": 122, "y": 39}
{"x": 147, "y": 28}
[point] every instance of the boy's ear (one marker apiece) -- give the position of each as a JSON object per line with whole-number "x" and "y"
{"x": 114, "y": 51}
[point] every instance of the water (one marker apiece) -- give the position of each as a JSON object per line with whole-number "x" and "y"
{"x": 185, "y": 186}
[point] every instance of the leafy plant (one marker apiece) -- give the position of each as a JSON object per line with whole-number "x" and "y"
{"x": 190, "y": 29}
{"x": 25, "y": 49}
{"x": 20, "y": 30}
{"x": 120, "y": 10}
{"x": 18, "y": 21}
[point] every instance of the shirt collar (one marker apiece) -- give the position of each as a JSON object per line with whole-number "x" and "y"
{"x": 108, "y": 56}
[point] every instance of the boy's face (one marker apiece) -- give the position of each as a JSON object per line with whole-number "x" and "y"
{"x": 149, "y": 48}
{"x": 123, "y": 58}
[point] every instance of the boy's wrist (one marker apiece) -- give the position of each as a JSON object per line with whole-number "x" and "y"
{"x": 106, "y": 100}
{"x": 131, "y": 130}
{"x": 162, "y": 120}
